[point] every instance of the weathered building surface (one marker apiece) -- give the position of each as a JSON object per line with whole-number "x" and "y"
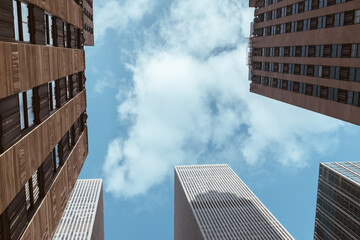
{"x": 43, "y": 130}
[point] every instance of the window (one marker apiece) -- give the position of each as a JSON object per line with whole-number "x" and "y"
{"x": 56, "y": 158}
{"x": 319, "y": 52}
{"x": 65, "y": 35}
{"x": 67, "y": 82}
{"x": 357, "y": 17}
{"x": 305, "y": 51}
{"x": 306, "y": 24}
{"x": 27, "y": 196}
{"x": 70, "y": 140}
{"x": 290, "y": 86}
{"x": 354, "y": 74}
{"x": 282, "y": 28}
{"x": 355, "y": 50}
{"x": 303, "y": 69}
{"x": 302, "y": 88}
{"x": 21, "y": 18}
{"x": 281, "y": 51}
{"x": 316, "y": 91}
{"x": 52, "y": 96}
{"x": 337, "y": 20}
{"x": 322, "y": 3}
{"x": 334, "y": 72}
{"x": 321, "y": 22}
{"x": 35, "y": 187}
{"x": 26, "y": 109}
{"x": 351, "y": 74}
{"x": 48, "y": 30}
{"x": 295, "y": 8}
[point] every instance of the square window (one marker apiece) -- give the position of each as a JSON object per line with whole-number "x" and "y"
{"x": 357, "y": 17}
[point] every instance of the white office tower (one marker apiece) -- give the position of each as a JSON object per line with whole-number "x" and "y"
{"x": 211, "y": 202}
{"x": 83, "y": 218}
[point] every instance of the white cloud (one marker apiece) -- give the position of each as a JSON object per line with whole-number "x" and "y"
{"x": 107, "y": 81}
{"x": 118, "y": 15}
{"x": 191, "y": 104}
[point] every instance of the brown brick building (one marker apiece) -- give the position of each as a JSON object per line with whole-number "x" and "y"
{"x": 43, "y": 132}
{"x": 307, "y": 53}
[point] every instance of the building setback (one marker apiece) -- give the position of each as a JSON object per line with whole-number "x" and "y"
{"x": 211, "y": 202}
{"x": 43, "y": 130}
{"x": 338, "y": 201}
{"x": 83, "y": 218}
{"x": 307, "y": 53}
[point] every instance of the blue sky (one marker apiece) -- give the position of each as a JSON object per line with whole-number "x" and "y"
{"x": 167, "y": 85}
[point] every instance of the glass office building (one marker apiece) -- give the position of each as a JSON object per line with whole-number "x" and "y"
{"x": 338, "y": 201}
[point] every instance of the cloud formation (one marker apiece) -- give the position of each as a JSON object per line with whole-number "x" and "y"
{"x": 118, "y": 15}
{"x": 190, "y": 103}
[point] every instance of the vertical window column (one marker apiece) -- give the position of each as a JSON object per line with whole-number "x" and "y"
{"x": 26, "y": 109}
{"x": 21, "y": 21}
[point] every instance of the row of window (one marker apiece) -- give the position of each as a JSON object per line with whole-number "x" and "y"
{"x": 34, "y": 25}
{"x": 345, "y": 204}
{"x": 341, "y": 184}
{"x": 328, "y": 224}
{"x": 314, "y": 3}
{"x": 346, "y": 171}
{"x": 296, "y": 8}
{"x": 20, "y": 211}
{"x": 330, "y": 50}
{"x": 320, "y": 234}
{"x": 330, "y": 72}
{"x": 87, "y": 13}
{"x": 328, "y": 21}
{"x": 20, "y": 113}
{"x": 333, "y": 94}
{"x": 89, "y": 29}
{"x": 338, "y": 217}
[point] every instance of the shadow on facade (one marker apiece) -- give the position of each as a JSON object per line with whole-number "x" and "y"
{"x": 226, "y": 213}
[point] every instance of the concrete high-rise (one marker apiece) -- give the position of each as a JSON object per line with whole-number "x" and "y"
{"x": 307, "y": 53}
{"x": 43, "y": 130}
{"x": 338, "y": 201}
{"x": 211, "y": 202}
{"x": 83, "y": 218}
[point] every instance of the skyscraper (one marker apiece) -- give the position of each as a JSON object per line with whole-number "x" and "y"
{"x": 307, "y": 53}
{"x": 83, "y": 218}
{"x": 211, "y": 202}
{"x": 43, "y": 130}
{"x": 338, "y": 201}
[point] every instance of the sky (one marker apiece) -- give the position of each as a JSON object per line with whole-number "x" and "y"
{"x": 167, "y": 84}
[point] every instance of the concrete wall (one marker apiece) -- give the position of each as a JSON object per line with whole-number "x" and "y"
{"x": 98, "y": 229}
{"x": 185, "y": 224}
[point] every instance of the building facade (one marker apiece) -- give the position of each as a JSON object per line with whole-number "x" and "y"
{"x": 83, "y": 218}
{"x": 211, "y": 202}
{"x": 338, "y": 201}
{"x": 43, "y": 130}
{"x": 307, "y": 53}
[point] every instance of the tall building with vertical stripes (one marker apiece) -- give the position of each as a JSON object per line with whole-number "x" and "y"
{"x": 211, "y": 202}
{"x": 83, "y": 218}
{"x": 43, "y": 120}
{"x": 338, "y": 201}
{"x": 307, "y": 53}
